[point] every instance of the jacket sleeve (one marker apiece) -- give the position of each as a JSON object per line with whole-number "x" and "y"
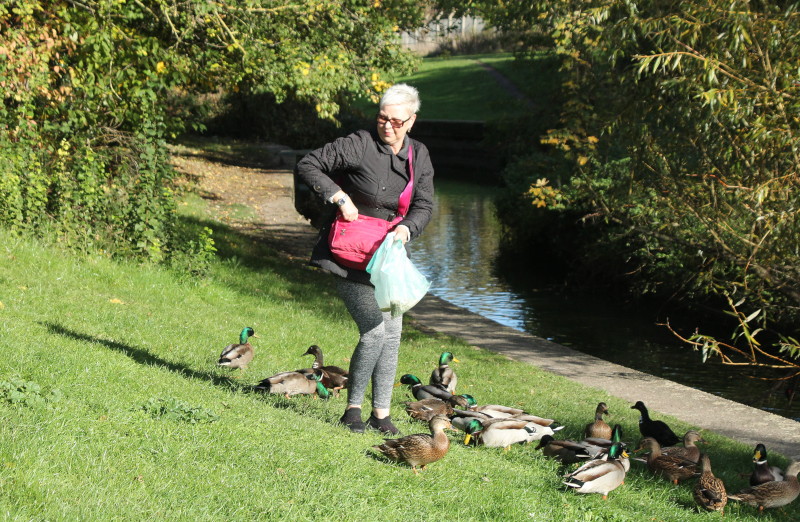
{"x": 421, "y": 208}
{"x": 318, "y": 167}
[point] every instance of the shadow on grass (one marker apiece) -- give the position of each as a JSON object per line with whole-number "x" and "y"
{"x": 146, "y": 358}
{"x": 299, "y": 405}
{"x": 303, "y": 285}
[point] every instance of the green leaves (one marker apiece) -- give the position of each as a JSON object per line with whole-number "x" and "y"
{"x": 178, "y": 411}
{"x": 19, "y": 392}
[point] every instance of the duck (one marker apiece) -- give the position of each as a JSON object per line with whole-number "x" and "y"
{"x": 498, "y": 411}
{"x": 444, "y": 374}
{"x": 599, "y": 447}
{"x": 688, "y": 451}
{"x": 424, "y": 391}
{"x": 600, "y": 476}
{"x": 655, "y": 429}
{"x": 499, "y": 433}
{"x": 333, "y": 377}
{"x": 426, "y": 409}
{"x": 762, "y": 471}
{"x": 240, "y": 354}
{"x": 290, "y": 384}
{"x": 567, "y": 451}
{"x": 599, "y": 428}
{"x": 673, "y": 468}
{"x": 419, "y": 449}
{"x": 776, "y": 493}
{"x": 709, "y": 491}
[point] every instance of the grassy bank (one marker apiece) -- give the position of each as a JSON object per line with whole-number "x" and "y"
{"x": 132, "y": 419}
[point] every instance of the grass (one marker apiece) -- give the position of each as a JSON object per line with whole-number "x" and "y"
{"x": 107, "y": 341}
{"x": 459, "y": 88}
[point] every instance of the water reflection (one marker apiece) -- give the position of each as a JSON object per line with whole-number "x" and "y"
{"x": 457, "y": 253}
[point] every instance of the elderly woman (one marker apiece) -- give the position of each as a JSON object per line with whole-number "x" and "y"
{"x": 366, "y": 173}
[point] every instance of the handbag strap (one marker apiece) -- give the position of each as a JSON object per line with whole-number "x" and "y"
{"x": 405, "y": 197}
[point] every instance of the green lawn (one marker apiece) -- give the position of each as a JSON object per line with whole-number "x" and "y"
{"x": 122, "y": 413}
{"x": 459, "y": 88}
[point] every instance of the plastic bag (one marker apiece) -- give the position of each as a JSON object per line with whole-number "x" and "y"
{"x": 398, "y": 284}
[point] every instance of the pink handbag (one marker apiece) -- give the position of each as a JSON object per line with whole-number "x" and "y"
{"x": 353, "y": 243}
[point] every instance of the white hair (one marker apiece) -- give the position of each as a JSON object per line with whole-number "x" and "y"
{"x": 401, "y": 94}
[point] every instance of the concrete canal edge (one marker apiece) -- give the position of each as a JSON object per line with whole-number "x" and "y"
{"x": 701, "y": 409}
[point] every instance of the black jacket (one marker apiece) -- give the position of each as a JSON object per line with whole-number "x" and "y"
{"x": 373, "y": 177}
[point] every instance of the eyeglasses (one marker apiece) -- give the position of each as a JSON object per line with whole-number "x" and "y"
{"x": 396, "y": 122}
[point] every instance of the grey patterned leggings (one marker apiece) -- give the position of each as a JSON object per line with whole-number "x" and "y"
{"x": 378, "y": 348}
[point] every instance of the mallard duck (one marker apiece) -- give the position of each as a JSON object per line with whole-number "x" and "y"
{"x": 498, "y": 411}
{"x": 600, "y": 476}
{"x": 655, "y": 428}
{"x": 419, "y": 449}
{"x": 599, "y": 447}
{"x": 333, "y": 377}
{"x": 424, "y": 391}
{"x": 772, "y": 494}
{"x": 567, "y": 451}
{"x": 290, "y": 384}
{"x": 672, "y": 468}
{"x": 762, "y": 471}
{"x": 426, "y": 409}
{"x": 709, "y": 491}
{"x": 238, "y": 355}
{"x": 444, "y": 375}
{"x": 599, "y": 428}
{"x": 688, "y": 451}
{"x": 499, "y": 433}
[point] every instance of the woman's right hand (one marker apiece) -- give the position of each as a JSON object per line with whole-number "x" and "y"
{"x": 349, "y": 211}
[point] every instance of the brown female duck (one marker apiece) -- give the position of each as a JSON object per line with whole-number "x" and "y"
{"x": 599, "y": 428}
{"x": 672, "y": 468}
{"x": 419, "y": 449}
{"x": 772, "y": 494}
{"x": 709, "y": 491}
{"x": 426, "y": 409}
{"x": 688, "y": 451}
{"x": 290, "y": 384}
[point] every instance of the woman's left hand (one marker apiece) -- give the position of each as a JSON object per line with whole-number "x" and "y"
{"x": 402, "y": 233}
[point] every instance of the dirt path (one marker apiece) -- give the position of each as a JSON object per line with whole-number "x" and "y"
{"x": 267, "y": 189}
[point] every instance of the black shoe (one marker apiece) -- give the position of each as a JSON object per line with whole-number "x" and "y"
{"x": 383, "y": 425}
{"x": 352, "y": 419}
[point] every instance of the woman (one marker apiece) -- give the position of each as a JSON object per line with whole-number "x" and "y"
{"x": 365, "y": 173}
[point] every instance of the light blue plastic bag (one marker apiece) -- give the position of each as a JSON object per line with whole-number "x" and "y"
{"x": 398, "y": 284}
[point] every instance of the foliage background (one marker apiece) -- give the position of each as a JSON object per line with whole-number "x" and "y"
{"x": 672, "y": 163}
{"x": 92, "y": 90}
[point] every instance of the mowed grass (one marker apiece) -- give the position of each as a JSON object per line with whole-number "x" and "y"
{"x": 460, "y": 88}
{"x": 115, "y": 338}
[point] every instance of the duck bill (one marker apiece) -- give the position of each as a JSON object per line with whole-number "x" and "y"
{"x": 467, "y": 438}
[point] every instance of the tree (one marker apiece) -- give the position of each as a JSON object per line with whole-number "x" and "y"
{"x": 92, "y": 89}
{"x": 680, "y": 122}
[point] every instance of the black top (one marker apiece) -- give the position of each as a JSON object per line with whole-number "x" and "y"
{"x": 373, "y": 177}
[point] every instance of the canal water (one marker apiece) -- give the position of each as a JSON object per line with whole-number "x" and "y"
{"x": 458, "y": 253}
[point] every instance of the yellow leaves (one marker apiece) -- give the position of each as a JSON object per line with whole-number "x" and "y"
{"x": 376, "y": 3}
{"x": 582, "y": 160}
{"x": 161, "y": 68}
{"x": 2, "y": 306}
{"x": 542, "y": 194}
{"x": 116, "y": 301}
